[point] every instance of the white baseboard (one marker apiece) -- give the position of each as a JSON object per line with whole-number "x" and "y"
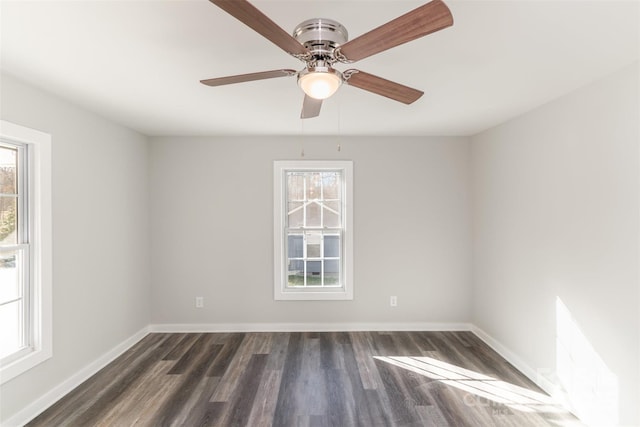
{"x": 534, "y": 375}
{"x": 307, "y": 327}
{"x": 52, "y": 396}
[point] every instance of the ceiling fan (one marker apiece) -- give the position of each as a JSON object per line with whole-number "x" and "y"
{"x": 320, "y": 43}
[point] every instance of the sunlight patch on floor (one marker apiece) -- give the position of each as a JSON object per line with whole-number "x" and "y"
{"x": 484, "y": 386}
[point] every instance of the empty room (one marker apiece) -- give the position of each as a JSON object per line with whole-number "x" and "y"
{"x": 320, "y": 213}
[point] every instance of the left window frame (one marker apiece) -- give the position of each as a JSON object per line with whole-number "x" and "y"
{"x": 36, "y": 243}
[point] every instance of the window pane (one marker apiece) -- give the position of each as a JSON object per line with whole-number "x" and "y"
{"x": 313, "y": 215}
{"x": 314, "y": 185}
{"x": 10, "y": 332}
{"x": 295, "y": 273}
{"x": 331, "y": 184}
{"x": 333, "y": 206}
{"x": 8, "y": 168}
{"x": 313, "y": 245}
{"x": 295, "y": 214}
{"x": 331, "y": 213}
{"x": 332, "y": 246}
{"x": 8, "y": 220}
{"x": 10, "y": 280}
{"x": 331, "y": 272}
{"x": 295, "y": 246}
{"x": 295, "y": 186}
{"x": 314, "y": 270}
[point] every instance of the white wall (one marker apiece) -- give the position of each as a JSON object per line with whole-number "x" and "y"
{"x": 556, "y": 214}
{"x": 100, "y": 237}
{"x": 211, "y": 230}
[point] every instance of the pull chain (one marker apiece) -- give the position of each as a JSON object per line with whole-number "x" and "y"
{"x": 302, "y": 137}
{"x": 339, "y": 129}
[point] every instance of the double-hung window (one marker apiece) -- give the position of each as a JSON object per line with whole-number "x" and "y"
{"x": 313, "y": 230}
{"x": 25, "y": 249}
{"x": 14, "y": 251}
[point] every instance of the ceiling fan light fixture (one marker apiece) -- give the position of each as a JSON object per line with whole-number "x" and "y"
{"x": 319, "y": 82}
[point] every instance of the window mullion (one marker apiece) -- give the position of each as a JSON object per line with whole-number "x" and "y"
{"x": 304, "y": 202}
{"x": 17, "y": 247}
{"x": 23, "y": 195}
{"x": 11, "y": 301}
{"x": 321, "y": 201}
{"x": 304, "y": 259}
{"x": 28, "y": 304}
{"x": 321, "y": 256}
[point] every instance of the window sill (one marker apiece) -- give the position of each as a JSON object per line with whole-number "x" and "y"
{"x": 306, "y": 295}
{"x": 18, "y": 367}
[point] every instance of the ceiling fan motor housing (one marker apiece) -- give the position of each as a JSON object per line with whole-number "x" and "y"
{"x": 321, "y": 36}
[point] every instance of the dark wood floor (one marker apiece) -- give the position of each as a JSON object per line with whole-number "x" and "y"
{"x": 308, "y": 379}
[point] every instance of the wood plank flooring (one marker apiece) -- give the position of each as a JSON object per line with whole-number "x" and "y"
{"x": 308, "y": 379}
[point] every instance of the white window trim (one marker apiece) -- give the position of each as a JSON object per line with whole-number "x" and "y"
{"x": 39, "y": 153}
{"x": 280, "y": 292}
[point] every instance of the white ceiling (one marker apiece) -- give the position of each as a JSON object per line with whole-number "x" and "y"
{"x": 139, "y": 62}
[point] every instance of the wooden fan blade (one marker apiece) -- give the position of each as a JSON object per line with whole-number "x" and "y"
{"x": 310, "y": 107}
{"x": 383, "y": 87}
{"x": 424, "y": 20}
{"x": 249, "y": 15}
{"x": 247, "y": 77}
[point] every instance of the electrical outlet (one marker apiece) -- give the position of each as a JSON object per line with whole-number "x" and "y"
{"x": 393, "y": 301}
{"x": 199, "y": 302}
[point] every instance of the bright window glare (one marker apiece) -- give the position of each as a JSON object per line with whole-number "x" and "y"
{"x": 10, "y": 339}
{"x": 7, "y": 157}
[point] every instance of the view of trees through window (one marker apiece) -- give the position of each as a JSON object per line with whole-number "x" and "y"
{"x": 313, "y": 224}
{"x": 8, "y": 193}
